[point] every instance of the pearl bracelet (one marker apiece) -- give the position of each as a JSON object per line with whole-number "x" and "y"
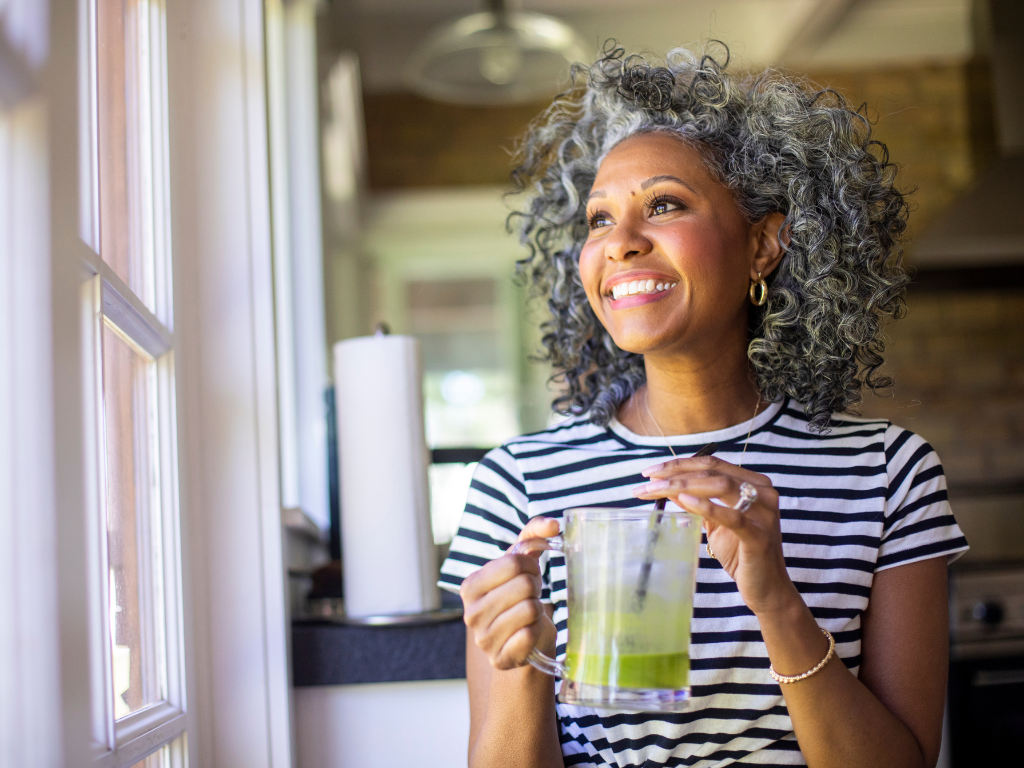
{"x": 813, "y": 670}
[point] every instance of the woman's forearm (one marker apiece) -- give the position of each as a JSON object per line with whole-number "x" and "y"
{"x": 512, "y": 719}
{"x": 838, "y": 722}
{"x": 520, "y": 726}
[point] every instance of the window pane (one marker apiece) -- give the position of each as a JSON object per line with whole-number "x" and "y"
{"x": 159, "y": 759}
{"x": 172, "y": 755}
{"x": 122, "y": 97}
{"x": 469, "y": 390}
{"x": 132, "y": 535}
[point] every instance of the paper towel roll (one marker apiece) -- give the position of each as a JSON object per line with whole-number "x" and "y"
{"x": 388, "y": 554}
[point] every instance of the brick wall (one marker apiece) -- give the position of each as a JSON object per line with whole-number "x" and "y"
{"x": 936, "y": 120}
{"x": 413, "y": 142}
{"x": 958, "y": 361}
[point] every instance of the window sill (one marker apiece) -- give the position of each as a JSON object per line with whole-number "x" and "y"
{"x": 140, "y": 734}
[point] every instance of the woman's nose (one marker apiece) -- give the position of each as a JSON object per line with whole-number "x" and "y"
{"x": 626, "y": 242}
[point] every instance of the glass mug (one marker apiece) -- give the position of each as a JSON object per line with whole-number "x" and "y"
{"x": 631, "y": 577}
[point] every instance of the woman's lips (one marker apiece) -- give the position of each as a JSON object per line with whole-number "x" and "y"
{"x": 637, "y": 300}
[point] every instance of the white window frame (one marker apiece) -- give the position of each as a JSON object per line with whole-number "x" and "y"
{"x": 233, "y": 630}
{"x": 302, "y": 371}
{"x": 235, "y": 588}
{"x": 107, "y": 300}
{"x": 30, "y": 675}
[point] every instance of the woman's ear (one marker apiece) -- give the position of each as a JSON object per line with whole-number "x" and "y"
{"x": 772, "y": 240}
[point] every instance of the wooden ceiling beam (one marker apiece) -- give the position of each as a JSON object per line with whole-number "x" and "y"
{"x": 821, "y": 22}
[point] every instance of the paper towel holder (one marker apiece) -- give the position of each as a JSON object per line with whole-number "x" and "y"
{"x": 381, "y": 329}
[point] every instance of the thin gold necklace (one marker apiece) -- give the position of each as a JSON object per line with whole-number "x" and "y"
{"x": 668, "y": 445}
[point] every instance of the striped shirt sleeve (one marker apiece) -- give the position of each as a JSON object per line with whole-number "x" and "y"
{"x": 919, "y": 523}
{"x": 495, "y": 514}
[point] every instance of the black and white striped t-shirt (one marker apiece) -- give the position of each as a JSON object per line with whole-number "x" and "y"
{"x": 864, "y": 497}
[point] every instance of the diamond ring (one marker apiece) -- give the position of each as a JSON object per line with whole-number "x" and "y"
{"x": 748, "y": 495}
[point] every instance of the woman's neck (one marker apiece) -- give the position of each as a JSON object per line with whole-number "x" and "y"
{"x": 684, "y": 396}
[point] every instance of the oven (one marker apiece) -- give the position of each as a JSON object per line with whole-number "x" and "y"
{"x": 986, "y": 669}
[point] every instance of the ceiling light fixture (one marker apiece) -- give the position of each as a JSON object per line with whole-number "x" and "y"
{"x": 496, "y": 57}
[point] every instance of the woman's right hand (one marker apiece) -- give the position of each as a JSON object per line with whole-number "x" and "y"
{"x": 502, "y": 604}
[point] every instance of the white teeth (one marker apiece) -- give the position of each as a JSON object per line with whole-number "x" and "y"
{"x": 640, "y": 287}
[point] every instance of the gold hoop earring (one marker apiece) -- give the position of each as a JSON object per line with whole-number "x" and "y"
{"x": 758, "y": 291}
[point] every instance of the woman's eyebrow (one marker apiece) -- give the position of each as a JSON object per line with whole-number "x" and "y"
{"x": 658, "y": 179}
{"x": 646, "y": 185}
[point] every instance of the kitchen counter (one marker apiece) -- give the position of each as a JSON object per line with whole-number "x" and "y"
{"x": 325, "y": 653}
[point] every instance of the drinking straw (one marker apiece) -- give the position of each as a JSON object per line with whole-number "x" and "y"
{"x": 653, "y": 532}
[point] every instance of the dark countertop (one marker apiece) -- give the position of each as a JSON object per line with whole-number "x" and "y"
{"x": 334, "y": 654}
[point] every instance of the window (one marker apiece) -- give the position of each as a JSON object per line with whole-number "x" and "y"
{"x": 469, "y": 389}
{"x": 137, "y": 671}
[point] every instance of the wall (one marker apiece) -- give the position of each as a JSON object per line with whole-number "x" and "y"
{"x": 383, "y": 725}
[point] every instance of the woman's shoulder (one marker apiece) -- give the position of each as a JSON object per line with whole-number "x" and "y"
{"x": 899, "y": 453}
{"x": 851, "y": 437}
{"x": 882, "y": 433}
{"x": 794, "y": 416}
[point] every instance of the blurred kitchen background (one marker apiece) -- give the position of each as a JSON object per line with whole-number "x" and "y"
{"x": 415, "y": 151}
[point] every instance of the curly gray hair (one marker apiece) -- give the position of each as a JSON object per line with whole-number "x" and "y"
{"x": 779, "y": 146}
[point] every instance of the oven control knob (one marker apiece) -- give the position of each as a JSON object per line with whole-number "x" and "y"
{"x": 990, "y": 613}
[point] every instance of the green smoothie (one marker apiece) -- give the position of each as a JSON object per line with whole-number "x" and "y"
{"x": 625, "y": 649}
{"x": 631, "y": 670}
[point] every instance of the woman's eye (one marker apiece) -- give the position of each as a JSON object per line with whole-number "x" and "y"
{"x": 598, "y": 220}
{"x": 658, "y": 207}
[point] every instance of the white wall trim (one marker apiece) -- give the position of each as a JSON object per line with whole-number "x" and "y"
{"x": 30, "y": 685}
{"x": 239, "y": 711}
{"x": 307, "y": 256}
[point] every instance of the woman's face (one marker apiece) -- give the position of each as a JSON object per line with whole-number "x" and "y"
{"x": 669, "y": 257}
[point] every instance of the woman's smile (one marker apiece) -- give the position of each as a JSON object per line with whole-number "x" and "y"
{"x": 637, "y": 287}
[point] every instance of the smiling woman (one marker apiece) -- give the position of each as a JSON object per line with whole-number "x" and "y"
{"x": 777, "y": 148}
{"x": 718, "y": 254}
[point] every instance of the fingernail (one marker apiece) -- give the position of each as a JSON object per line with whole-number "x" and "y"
{"x": 686, "y": 499}
{"x": 653, "y": 487}
{"x": 651, "y": 470}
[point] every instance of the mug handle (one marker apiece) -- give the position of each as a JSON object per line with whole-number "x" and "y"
{"x": 538, "y": 660}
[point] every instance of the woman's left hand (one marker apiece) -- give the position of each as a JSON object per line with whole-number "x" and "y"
{"x": 747, "y": 544}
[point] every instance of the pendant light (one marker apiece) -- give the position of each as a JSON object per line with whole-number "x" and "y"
{"x": 495, "y": 57}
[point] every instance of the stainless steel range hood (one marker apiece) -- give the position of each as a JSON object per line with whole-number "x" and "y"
{"x": 985, "y": 227}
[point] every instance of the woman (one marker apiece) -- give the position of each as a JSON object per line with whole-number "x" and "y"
{"x": 719, "y": 256}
